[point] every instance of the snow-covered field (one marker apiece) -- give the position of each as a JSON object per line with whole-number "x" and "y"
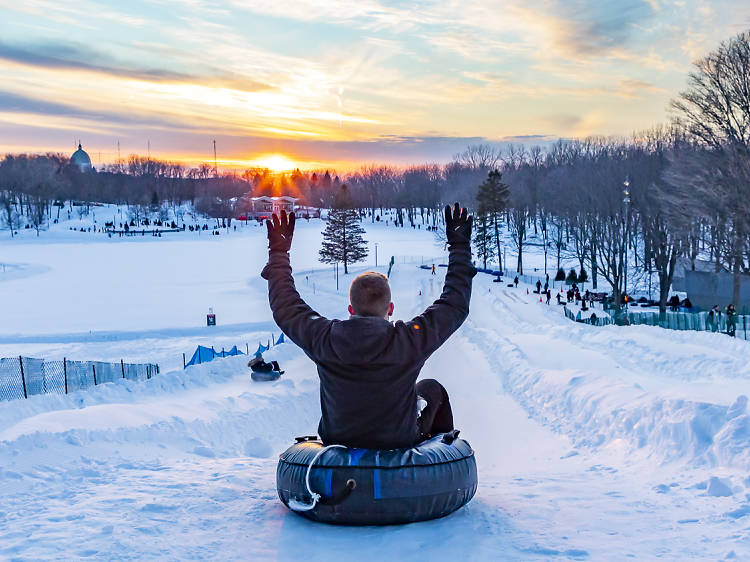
{"x": 592, "y": 443}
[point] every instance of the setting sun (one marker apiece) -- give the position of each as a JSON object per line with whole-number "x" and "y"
{"x": 274, "y": 162}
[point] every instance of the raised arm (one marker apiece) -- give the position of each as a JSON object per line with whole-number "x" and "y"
{"x": 429, "y": 330}
{"x": 297, "y": 320}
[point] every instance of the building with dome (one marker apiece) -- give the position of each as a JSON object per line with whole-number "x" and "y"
{"x": 80, "y": 160}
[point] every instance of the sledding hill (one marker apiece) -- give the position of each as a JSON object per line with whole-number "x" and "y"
{"x": 591, "y": 443}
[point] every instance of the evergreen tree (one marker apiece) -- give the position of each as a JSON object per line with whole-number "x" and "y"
{"x": 492, "y": 200}
{"x": 560, "y": 275}
{"x": 572, "y": 277}
{"x": 583, "y": 276}
{"x": 483, "y": 238}
{"x": 342, "y": 238}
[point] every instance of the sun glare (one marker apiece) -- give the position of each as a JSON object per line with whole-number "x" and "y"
{"x": 274, "y": 162}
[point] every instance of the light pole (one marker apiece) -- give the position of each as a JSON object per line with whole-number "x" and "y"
{"x": 626, "y": 200}
{"x": 376, "y": 254}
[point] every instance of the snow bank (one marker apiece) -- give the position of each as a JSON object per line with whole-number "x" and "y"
{"x": 211, "y": 410}
{"x": 605, "y": 402}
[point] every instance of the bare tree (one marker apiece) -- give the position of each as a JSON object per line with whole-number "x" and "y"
{"x": 715, "y": 110}
{"x": 480, "y": 156}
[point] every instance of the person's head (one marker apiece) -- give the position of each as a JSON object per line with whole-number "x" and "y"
{"x": 370, "y": 295}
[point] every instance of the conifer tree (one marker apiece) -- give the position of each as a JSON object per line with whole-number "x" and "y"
{"x": 492, "y": 200}
{"x": 342, "y": 238}
{"x": 483, "y": 238}
{"x": 583, "y": 276}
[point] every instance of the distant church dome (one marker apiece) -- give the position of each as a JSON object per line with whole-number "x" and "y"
{"x": 81, "y": 160}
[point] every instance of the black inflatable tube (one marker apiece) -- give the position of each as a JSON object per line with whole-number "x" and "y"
{"x": 377, "y": 487}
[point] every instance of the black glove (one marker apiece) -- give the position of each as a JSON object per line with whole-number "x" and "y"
{"x": 458, "y": 225}
{"x": 280, "y": 232}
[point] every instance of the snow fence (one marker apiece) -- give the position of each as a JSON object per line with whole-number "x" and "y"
{"x": 691, "y": 321}
{"x": 21, "y": 377}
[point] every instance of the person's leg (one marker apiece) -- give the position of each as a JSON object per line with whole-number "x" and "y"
{"x": 437, "y": 416}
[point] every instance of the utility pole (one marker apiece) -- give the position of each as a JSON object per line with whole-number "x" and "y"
{"x": 149, "y": 149}
{"x": 216, "y": 167}
{"x": 626, "y": 200}
{"x": 119, "y": 160}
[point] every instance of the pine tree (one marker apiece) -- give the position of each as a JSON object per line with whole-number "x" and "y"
{"x": 572, "y": 277}
{"x": 342, "y": 238}
{"x": 483, "y": 238}
{"x": 492, "y": 200}
{"x": 560, "y": 275}
{"x": 583, "y": 276}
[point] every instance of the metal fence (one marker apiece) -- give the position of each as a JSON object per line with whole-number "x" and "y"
{"x": 694, "y": 321}
{"x": 684, "y": 321}
{"x": 595, "y": 321}
{"x": 21, "y": 377}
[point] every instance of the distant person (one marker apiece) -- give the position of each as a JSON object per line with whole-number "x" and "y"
{"x": 433, "y": 269}
{"x": 558, "y": 296}
{"x": 714, "y": 316}
{"x": 731, "y": 320}
{"x": 515, "y": 281}
{"x": 549, "y": 296}
{"x": 367, "y": 365}
{"x": 538, "y": 286}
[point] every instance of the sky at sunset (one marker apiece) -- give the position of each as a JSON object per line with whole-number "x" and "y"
{"x": 339, "y": 82}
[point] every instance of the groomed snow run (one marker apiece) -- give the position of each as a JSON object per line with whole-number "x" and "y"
{"x": 592, "y": 443}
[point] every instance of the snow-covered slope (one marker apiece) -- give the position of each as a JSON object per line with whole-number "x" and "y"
{"x": 592, "y": 443}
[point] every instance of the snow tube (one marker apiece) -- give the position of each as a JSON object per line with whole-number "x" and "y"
{"x": 261, "y": 376}
{"x": 377, "y": 487}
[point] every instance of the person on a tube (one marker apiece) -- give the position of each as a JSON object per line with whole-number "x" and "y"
{"x": 368, "y": 366}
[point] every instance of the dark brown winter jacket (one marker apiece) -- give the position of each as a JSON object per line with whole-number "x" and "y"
{"x": 368, "y": 366}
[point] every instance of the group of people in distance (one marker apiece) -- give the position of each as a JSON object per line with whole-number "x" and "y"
{"x": 573, "y": 294}
{"x": 714, "y": 319}
{"x": 675, "y": 303}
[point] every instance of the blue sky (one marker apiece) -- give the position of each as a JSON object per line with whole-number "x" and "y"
{"x": 339, "y": 82}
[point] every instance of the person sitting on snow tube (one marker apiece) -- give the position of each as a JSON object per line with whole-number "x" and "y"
{"x": 368, "y": 366}
{"x": 262, "y": 371}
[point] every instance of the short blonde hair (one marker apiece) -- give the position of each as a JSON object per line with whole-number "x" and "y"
{"x": 370, "y": 294}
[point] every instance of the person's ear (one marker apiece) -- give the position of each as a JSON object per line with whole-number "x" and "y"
{"x": 390, "y": 309}
{"x": 351, "y": 310}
